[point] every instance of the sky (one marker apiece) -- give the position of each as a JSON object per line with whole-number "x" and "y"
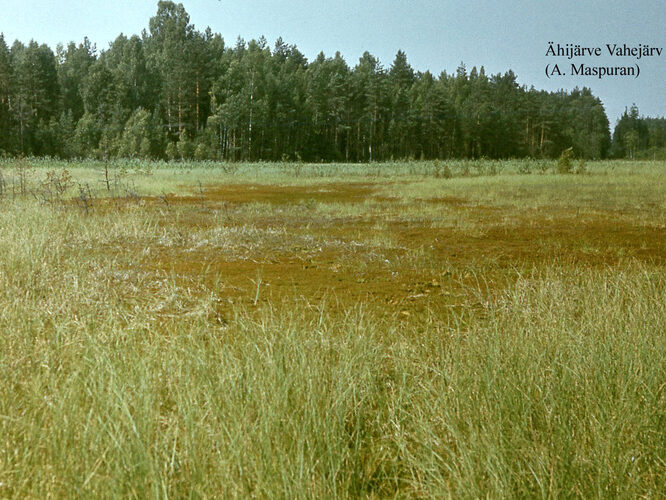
{"x": 436, "y": 35}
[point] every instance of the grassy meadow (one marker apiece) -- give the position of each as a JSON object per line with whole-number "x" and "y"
{"x": 442, "y": 329}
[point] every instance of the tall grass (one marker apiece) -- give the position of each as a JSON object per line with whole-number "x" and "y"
{"x": 554, "y": 387}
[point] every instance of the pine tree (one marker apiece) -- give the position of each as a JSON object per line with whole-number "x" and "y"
{"x": 37, "y": 93}
{"x": 5, "y": 87}
{"x": 73, "y": 66}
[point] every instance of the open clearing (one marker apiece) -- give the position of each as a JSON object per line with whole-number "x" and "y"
{"x": 398, "y": 245}
{"x": 312, "y": 330}
{"x": 352, "y": 243}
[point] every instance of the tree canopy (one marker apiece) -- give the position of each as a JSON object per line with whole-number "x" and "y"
{"x": 175, "y": 92}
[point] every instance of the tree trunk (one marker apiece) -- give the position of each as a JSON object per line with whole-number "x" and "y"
{"x": 180, "y": 112}
{"x": 197, "y": 105}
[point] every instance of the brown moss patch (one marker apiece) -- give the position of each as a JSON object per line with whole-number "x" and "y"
{"x": 395, "y": 265}
{"x": 282, "y": 195}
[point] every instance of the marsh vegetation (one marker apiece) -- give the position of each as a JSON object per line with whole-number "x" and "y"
{"x": 409, "y": 329}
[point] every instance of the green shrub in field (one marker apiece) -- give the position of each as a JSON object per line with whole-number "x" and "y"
{"x": 565, "y": 162}
{"x": 201, "y": 152}
{"x": 185, "y": 147}
{"x": 171, "y": 151}
{"x": 137, "y": 137}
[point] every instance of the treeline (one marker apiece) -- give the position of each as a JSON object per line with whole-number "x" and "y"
{"x": 175, "y": 92}
{"x": 639, "y": 137}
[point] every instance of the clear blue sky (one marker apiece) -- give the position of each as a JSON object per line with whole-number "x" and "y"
{"x": 436, "y": 34}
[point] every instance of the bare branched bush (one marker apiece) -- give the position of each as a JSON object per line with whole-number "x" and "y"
{"x": 24, "y": 171}
{"x": 202, "y": 197}
{"x": 52, "y": 189}
{"x": 85, "y": 199}
{"x": 107, "y": 179}
{"x": 130, "y": 191}
{"x": 164, "y": 196}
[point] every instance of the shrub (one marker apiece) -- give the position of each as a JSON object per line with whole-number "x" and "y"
{"x": 185, "y": 147}
{"x": 171, "y": 151}
{"x": 565, "y": 162}
{"x": 201, "y": 153}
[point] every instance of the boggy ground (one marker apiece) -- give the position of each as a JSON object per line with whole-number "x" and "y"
{"x": 344, "y": 243}
{"x": 333, "y": 331}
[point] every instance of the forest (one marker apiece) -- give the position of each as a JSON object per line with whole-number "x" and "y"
{"x": 178, "y": 93}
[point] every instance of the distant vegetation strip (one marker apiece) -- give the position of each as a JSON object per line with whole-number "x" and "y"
{"x": 177, "y": 93}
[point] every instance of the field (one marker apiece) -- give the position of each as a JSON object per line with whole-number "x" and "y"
{"x": 409, "y": 329}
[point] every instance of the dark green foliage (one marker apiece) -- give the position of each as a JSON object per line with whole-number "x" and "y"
{"x": 140, "y": 138}
{"x": 34, "y": 96}
{"x": 73, "y": 66}
{"x": 639, "y": 137}
{"x": 87, "y": 135}
{"x": 5, "y": 87}
{"x": 176, "y": 92}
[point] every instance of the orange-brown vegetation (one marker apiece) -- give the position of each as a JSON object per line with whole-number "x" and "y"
{"x": 255, "y": 243}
